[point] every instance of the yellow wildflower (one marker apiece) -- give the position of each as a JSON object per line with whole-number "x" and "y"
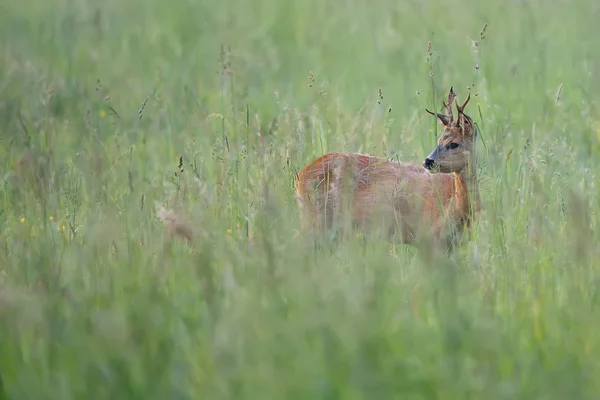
{"x": 102, "y": 113}
{"x": 229, "y": 230}
{"x": 22, "y": 219}
{"x": 51, "y": 218}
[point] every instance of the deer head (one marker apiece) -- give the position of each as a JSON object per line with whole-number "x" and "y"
{"x": 456, "y": 145}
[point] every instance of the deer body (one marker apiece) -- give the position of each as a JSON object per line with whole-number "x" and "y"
{"x": 401, "y": 198}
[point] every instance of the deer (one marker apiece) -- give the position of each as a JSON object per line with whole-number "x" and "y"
{"x": 439, "y": 197}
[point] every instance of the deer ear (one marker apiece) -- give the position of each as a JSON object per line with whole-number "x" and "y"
{"x": 445, "y": 120}
{"x": 473, "y": 129}
{"x": 467, "y": 126}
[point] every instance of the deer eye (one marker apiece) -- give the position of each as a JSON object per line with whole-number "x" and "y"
{"x": 452, "y": 146}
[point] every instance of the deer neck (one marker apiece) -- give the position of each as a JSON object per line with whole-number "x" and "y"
{"x": 466, "y": 192}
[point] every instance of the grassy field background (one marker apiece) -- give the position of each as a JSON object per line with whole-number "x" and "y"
{"x": 98, "y": 102}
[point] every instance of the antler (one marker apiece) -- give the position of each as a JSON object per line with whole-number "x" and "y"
{"x": 461, "y": 114}
{"x": 446, "y": 119}
{"x": 461, "y": 108}
{"x": 448, "y": 107}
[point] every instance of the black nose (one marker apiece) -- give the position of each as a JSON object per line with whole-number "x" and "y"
{"x": 428, "y": 163}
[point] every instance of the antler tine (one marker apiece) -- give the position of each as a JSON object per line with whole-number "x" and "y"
{"x": 461, "y": 108}
{"x": 448, "y": 107}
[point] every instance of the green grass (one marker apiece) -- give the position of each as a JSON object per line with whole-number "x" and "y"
{"x": 97, "y": 301}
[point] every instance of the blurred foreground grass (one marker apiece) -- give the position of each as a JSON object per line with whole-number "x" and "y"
{"x": 210, "y": 108}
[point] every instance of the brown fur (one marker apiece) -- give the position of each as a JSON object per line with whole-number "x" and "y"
{"x": 399, "y": 197}
{"x": 175, "y": 223}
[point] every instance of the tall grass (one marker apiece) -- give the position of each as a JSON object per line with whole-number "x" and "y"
{"x": 210, "y": 108}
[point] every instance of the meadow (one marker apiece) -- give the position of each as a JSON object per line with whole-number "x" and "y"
{"x": 210, "y": 109}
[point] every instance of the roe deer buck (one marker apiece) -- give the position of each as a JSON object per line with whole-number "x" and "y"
{"x": 441, "y": 195}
